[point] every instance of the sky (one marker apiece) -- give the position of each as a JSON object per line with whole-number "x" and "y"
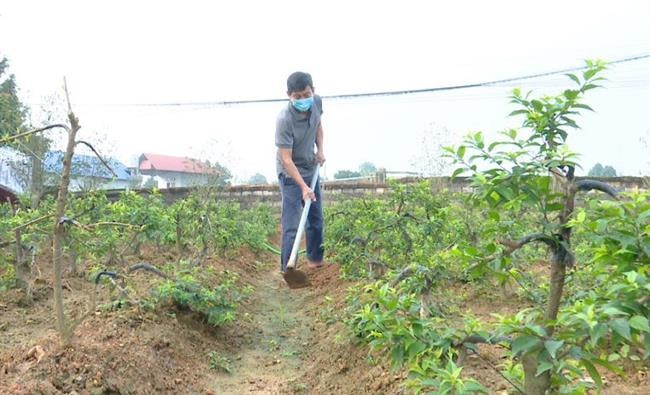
{"x": 122, "y": 59}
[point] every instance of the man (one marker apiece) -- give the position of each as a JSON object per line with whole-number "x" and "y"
{"x": 299, "y": 138}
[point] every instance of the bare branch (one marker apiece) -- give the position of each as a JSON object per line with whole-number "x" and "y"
{"x": 104, "y": 273}
{"x": 478, "y": 339}
{"x": 8, "y": 139}
{"x": 588, "y": 185}
{"x": 407, "y": 272}
{"x": 560, "y": 249}
{"x": 32, "y": 222}
{"x": 31, "y": 152}
{"x": 557, "y": 172}
{"x": 147, "y": 267}
{"x": 540, "y": 237}
{"x": 98, "y": 156}
{"x": 67, "y": 96}
{"x": 114, "y": 224}
{"x": 404, "y": 274}
{"x": 70, "y": 221}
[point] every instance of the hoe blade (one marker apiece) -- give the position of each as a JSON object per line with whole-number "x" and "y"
{"x": 295, "y": 278}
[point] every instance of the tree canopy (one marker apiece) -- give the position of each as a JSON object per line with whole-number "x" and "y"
{"x": 12, "y": 111}
{"x": 602, "y": 171}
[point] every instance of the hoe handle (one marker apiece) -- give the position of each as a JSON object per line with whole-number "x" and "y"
{"x": 293, "y": 258}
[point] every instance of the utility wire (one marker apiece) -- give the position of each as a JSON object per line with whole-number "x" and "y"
{"x": 387, "y": 93}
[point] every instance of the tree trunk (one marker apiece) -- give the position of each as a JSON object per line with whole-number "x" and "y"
{"x": 22, "y": 269}
{"x": 72, "y": 255}
{"x": 179, "y": 236}
{"x": 558, "y": 274}
{"x": 533, "y": 384}
{"x": 59, "y": 230}
{"x": 36, "y": 182}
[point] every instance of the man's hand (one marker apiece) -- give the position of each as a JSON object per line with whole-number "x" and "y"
{"x": 320, "y": 157}
{"x": 307, "y": 193}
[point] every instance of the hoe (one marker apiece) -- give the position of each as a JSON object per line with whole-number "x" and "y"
{"x": 294, "y": 277}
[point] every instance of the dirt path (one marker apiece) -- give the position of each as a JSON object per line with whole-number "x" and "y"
{"x": 270, "y": 360}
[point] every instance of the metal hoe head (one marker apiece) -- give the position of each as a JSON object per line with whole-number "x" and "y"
{"x": 295, "y": 278}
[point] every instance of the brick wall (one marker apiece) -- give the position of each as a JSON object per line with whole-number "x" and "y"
{"x": 250, "y": 195}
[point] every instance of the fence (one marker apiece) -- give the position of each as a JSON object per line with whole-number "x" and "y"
{"x": 338, "y": 190}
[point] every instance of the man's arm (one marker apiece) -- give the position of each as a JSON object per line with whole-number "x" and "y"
{"x": 320, "y": 153}
{"x": 292, "y": 171}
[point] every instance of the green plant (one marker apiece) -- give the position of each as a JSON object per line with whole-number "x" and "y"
{"x": 390, "y": 321}
{"x": 219, "y": 362}
{"x": 7, "y": 275}
{"x": 217, "y": 305}
{"x": 444, "y": 380}
{"x": 535, "y": 171}
{"x": 586, "y": 310}
{"x": 328, "y": 315}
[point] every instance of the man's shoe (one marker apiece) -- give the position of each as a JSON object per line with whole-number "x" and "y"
{"x": 315, "y": 265}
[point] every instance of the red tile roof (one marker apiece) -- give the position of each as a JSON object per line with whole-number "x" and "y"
{"x": 174, "y": 163}
{"x": 7, "y": 195}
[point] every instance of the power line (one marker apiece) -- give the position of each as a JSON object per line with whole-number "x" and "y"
{"x": 400, "y": 92}
{"x": 387, "y": 93}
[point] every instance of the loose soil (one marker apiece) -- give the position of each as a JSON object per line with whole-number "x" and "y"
{"x": 283, "y": 342}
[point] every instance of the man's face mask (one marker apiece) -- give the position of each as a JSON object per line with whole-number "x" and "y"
{"x": 303, "y": 104}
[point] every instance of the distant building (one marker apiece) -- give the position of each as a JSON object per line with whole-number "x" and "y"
{"x": 13, "y": 164}
{"x": 164, "y": 171}
{"x": 87, "y": 172}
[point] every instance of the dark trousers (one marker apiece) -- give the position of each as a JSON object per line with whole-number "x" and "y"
{"x": 292, "y": 205}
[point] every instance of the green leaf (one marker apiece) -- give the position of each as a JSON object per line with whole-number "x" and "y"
{"x": 415, "y": 349}
{"x": 473, "y": 387}
{"x": 574, "y": 78}
{"x": 552, "y": 346}
{"x": 583, "y": 106}
{"x": 461, "y": 151}
{"x": 451, "y": 150}
{"x": 593, "y": 372}
{"x": 457, "y": 172}
{"x": 570, "y": 94}
{"x": 397, "y": 355}
{"x": 607, "y": 365}
{"x": 554, "y": 207}
{"x": 640, "y": 323}
{"x": 517, "y": 112}
{"x": 622, "y": 327}
{"x": 590, "y": 86}
{"x": 612, "y": 311}
{"x": 588, "y": 74}
{"x": 525, "y": 344}
{"x": 543, "y": 366}
{"x": 493, "y": 145}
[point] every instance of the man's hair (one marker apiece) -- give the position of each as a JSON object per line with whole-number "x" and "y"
{"x": 298, "y": 82}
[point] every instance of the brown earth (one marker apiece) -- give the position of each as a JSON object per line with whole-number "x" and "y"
{"x": 283, "y": 342}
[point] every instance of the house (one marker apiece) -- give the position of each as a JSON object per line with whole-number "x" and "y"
{"x": 87, "y": 172}
{"x": 164, "y": 171}
{"x": 14, "y": 173}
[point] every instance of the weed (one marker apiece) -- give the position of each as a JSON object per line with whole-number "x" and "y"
{"x": 219, "y": 362}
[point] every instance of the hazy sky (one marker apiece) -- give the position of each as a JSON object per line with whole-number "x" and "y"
{"x": 120, "y": 53}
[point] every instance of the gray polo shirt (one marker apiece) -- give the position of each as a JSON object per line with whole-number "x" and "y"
{"x": 297, "y": 131}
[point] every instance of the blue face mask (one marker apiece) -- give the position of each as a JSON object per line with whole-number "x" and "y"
{"x": 303, "y": 104}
